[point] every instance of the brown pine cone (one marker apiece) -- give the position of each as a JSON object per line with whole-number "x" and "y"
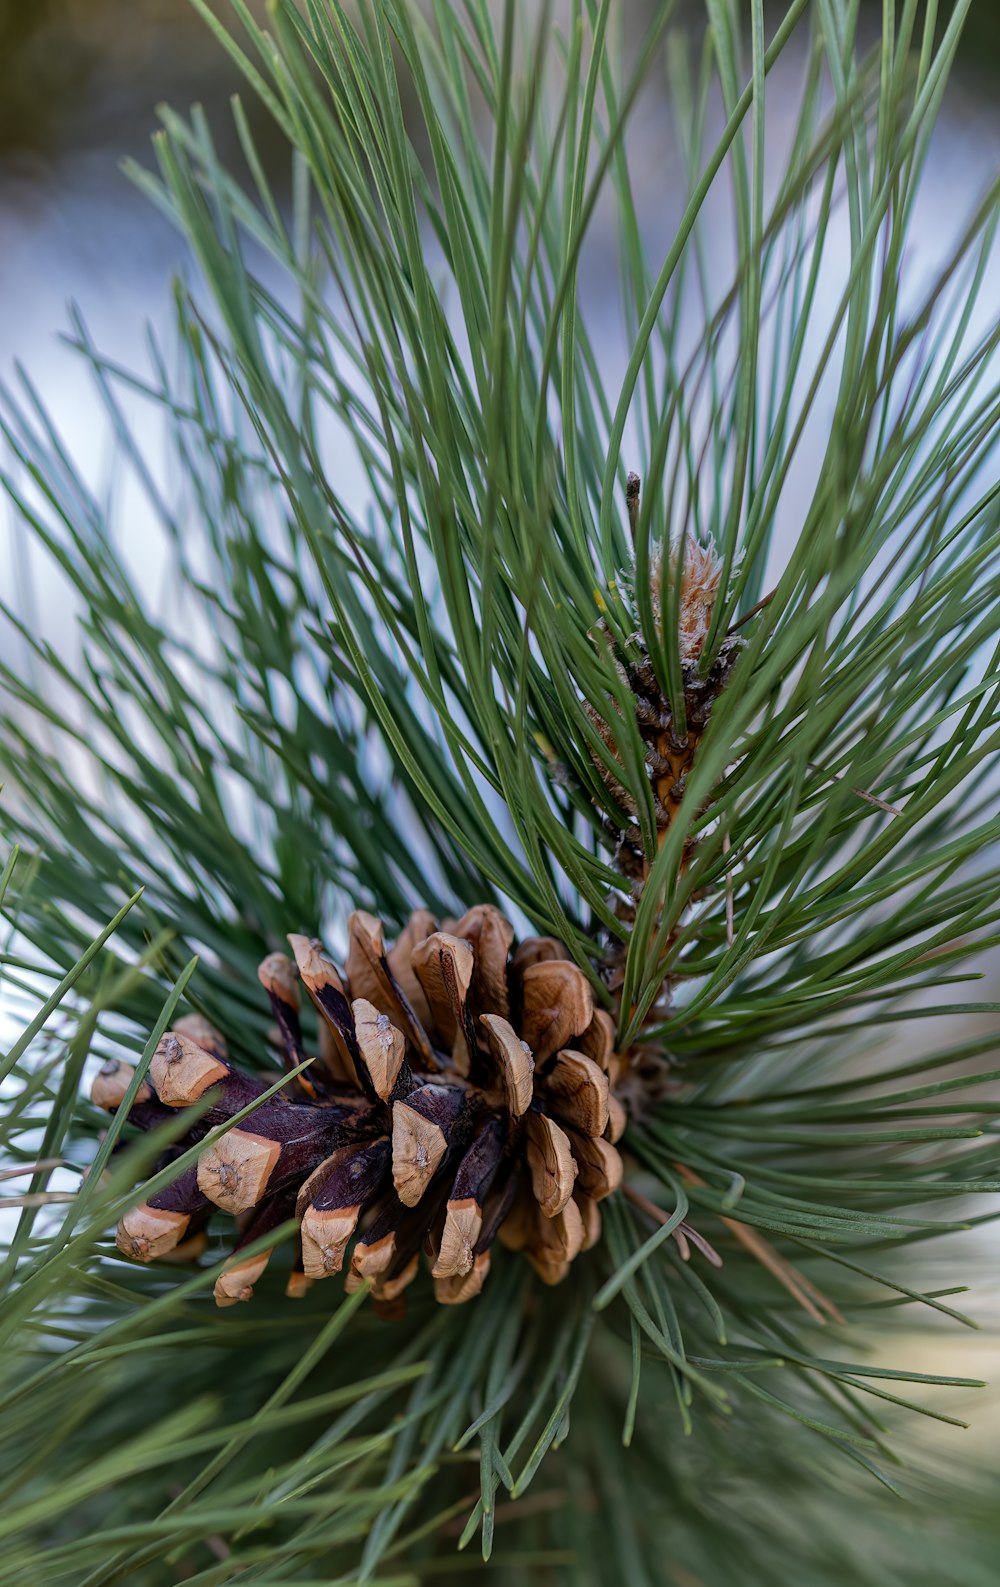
{"x": 462, "y": 1093}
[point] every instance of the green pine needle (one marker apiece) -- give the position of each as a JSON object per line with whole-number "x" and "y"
{"x": 400, "y": 577}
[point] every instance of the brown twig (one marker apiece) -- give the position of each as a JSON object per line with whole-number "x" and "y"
{"x": 41, "y": 1198}
{"x": 644, "y": 1204}
{"x": 801, "y": 1289}
{"x": 681, "y": 1235}
{"x": 32, "y": 1168}
{"x": 730, "y": 920}
{"x": 752, "y": 612}
{"x": 633, "y": 486}
{"x": 862, "y": 793}
{"x": 215, "y": 1545}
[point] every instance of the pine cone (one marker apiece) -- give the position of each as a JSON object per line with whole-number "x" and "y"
{"x": 462, "y": 1094}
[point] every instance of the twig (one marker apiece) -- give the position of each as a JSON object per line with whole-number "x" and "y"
{"x": 215, "y": 1545}
{"x": 643, "y": 1202}
{"x": 633, "y": 485}
{"x": 682, "y": 1234}
{"x": 33, "y": 1168}
{"x": 752, "y": 612}
{"x": 869, "y": 798}
{"x": 881, "y": 804}
{"x": 41, "y": 1198}
{"x": 801, "y": 1289}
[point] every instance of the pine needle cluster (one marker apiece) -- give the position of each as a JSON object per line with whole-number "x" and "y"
{"x": 728, "y": 737}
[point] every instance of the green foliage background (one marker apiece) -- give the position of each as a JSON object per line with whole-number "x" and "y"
{"x": 324, "y": 708}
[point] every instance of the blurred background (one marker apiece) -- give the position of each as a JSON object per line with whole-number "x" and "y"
{"x": 79, "y": 83}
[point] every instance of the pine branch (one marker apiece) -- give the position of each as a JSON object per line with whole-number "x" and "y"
{"x": 562, "y": 656}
